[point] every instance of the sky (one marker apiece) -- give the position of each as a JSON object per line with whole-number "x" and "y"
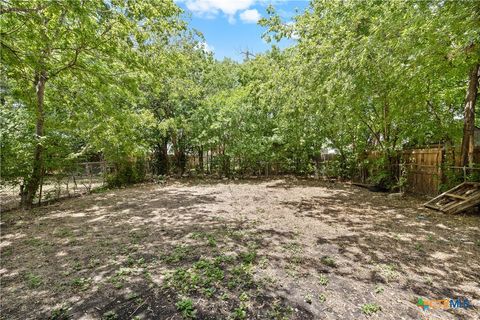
{"x": 230, "y": 26}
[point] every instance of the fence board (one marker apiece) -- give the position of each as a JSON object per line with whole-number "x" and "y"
{"x": 423, "y": 169}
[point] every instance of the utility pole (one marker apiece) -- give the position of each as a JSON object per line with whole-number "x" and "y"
{"x": 247, "y": 54}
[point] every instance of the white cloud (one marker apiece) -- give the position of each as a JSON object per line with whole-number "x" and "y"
{"x": 292, "y": 29}
{"x": 229, "y": 8}
{"x": 250, "y": 16}
{"x": 205, "y": 47}
{"x": 213, "y": 7}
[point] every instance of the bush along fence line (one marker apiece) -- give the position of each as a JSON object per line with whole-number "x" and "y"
{"x": 424, "y": 171}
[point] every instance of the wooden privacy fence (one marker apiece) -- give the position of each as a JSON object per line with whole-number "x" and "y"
{"x": 429, "y": 170}
{"x": 423, "y": 170}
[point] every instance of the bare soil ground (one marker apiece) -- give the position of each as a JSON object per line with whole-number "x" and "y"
{"x": 277, "y": 249}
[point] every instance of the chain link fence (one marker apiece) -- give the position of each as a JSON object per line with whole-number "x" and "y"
{"x": 80, "y": 179}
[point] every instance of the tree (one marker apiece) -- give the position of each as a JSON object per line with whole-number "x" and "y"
{"x": 468, "y": 140}
{"x": 43, "y": 41}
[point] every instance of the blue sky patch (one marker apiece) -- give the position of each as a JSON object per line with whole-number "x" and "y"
{"x": 230, "y": 26}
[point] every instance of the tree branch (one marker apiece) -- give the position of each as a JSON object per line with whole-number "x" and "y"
{"x": 72, "y": 63}
{"x": 4, "y": 10}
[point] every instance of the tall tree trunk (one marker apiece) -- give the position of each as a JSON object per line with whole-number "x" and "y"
{"x": 200, "y": 158}
{"x": 162, "y": 161}
{"x": 37, "y": 171}
{"x": 468, "y": 140}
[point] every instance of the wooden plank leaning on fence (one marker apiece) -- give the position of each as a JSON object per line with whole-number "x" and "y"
{"x": 458, "y": 199}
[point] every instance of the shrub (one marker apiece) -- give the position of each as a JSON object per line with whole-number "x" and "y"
{"x": 370, "y": 308}
{"x": 127, "y": 172}
{"x": 185, "y": 307}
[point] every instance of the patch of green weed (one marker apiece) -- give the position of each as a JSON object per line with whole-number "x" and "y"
{"x": 33, "y": 281}
{"x": 63, "y": 233}
{"x": 34, "y": 242}
{"x": 370, "y": 308}
{"x": 308, "y": 298}
{"x": 240, "y": 313}
{"x": 279, "y": 312}
{"x": 110, "y": 315}
{"x": 178, "y": 254}
{"x": 186, "y": 308}
{"x": 378, "y": 289}
{"x": 6, "y": 252}
{"x": 323, "y": 280}
{"x": 388, "y": 271}
{"x": 322, "y": 297}
{"x": 328, "y": 261}
{"x": 248, "y": 257}
{"x": 61, "y": 313}
{"x": 81, "y": 283}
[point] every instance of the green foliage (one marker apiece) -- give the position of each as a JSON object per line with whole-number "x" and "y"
{"x": 186, "y": 308}
{"x": 239, "y": 313}
{"x": 178, "y": 254}
{"x": 328, "y": 261}
{"x": 110, "y": 315}
{"x": 33, "y": 280}
{"x": 128, "y": 80}
{"x": 61, "y": 313}
{"x": 322, "y": 298}
{"x": 378, "y": 289}
{"x": 323, "y": 280}
{"x": 280, "y": 312}
{"x": 81, "y": 284}
{"x": 370, "y": 308}
{"x": 89, "y": 56}
{"x": 127, "y": 172}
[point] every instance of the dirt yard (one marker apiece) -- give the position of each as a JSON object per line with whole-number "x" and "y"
{"x": 277, "y": 249}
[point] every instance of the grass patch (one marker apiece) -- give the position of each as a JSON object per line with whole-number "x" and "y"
{"x": 211, "y": 240}
{"x": 63, "y": 233}
{"x": 186, "y": 308}
{"x": 34, "y": 242}
{"x": 136, "y": 237}
{"x": 94, "y": 262}
{"x": 418, "y": 246}
{"x": 293, "y": 247}
{"x": 6, "y": 252}
{"x": 248, "y": 257}
{"x": 308, "y": 298}
{"x": 323, "y": 280}
{"x": 322, "y": 297}
{"x": 280, "y": 312}
{"x": 81, "y": 284}
{"x": 328, "y": 261}
{"x": 61, "y": 313}
{"x": 120, "y": 277}
{"x": 178, "y": 254}
{"x": 388, "y": 271}
{"x": 110, "y": 315}
{"x": 221, "y": 278}
{"x": 240, "y": 313}
{"x": 371, "y": 308}
{"x": 133, "y": 262}
{"x": 33, "y": 281}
